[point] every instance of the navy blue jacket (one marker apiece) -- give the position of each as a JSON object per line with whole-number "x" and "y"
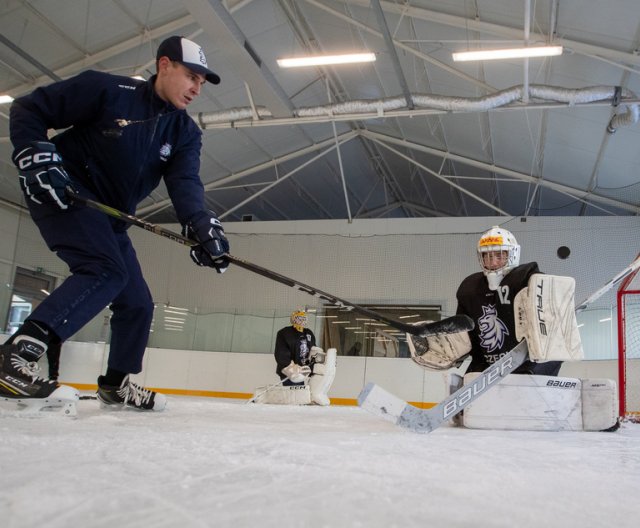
{"x": 120, "y": 164}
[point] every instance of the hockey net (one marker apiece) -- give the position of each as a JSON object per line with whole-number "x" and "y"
{"x": 629, "y": 347}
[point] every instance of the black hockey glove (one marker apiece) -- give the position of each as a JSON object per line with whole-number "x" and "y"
{"x": 206, "y": 229}
{"x": 42, "y": 176}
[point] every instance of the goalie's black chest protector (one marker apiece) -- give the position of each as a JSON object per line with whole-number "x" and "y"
{"x": 492, "y": 313}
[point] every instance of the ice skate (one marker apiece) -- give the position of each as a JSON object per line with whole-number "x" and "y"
{"x": 129, "y": 394}
{"x": 23, "y": 392}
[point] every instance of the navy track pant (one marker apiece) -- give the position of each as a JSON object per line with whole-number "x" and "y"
{"x": 104, "y": 271}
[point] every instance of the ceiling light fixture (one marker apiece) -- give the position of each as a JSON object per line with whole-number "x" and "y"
{"x": 323, "y": 60}
{"x": 512, "y": 53}
{"x": 5, "y": 99}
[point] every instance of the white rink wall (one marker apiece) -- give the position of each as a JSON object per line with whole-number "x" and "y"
{"x": 367, "y": 261}
{"x": 233, "y": 375}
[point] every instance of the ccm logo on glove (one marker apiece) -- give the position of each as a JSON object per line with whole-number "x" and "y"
{"x": 28, "y": 160}
{"x": 42, "y": 176}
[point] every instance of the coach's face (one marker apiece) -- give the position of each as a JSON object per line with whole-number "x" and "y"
{"x": 177, "y": 84}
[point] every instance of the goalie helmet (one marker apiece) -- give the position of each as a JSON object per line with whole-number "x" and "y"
{"x": 497, "y": 239}
{"x": 299, "y": 320}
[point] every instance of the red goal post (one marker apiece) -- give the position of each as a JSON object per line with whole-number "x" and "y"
{"x": 628, "y": 309}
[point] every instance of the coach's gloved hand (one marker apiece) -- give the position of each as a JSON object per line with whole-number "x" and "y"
{"x": 42, "y": 176}
{"x": 206, "y": 229}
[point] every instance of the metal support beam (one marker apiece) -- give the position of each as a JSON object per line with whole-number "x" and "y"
{"x": 382, "y": 22}
{"x": 280, "y": 180}
{"x": 571, "y": 191}
{"x": 240, "y": 56}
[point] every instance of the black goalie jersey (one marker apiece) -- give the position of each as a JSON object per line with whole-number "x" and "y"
{"x": 292, "y": 345}
{"x": 493, "y": 313}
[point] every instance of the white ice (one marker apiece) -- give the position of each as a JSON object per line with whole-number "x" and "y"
{"x": 219, "y": 463}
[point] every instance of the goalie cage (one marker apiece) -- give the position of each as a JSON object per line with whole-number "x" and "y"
{"x": 628, "y": 307}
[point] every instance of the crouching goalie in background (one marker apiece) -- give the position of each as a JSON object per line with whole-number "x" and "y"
{"x": 508, "y": 302}
{"x": 305, "y": 370}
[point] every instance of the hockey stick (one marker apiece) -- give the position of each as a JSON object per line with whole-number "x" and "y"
{"x": 385, "y": 405}
{"x": 610, "y": 284}
{"x": 456, "y": 323}
{"x": 267, "y": 389}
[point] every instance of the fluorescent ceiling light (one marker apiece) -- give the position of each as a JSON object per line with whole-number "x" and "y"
{"x": 322, "y": 60}
{"x": 513, "y": 53}
{"x": 5, "y": 99}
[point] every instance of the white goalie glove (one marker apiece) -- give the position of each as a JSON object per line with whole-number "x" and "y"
{"x": 297, "y": 373}
{"x": 439, "y": 352}
{"x": 545, "y": 317}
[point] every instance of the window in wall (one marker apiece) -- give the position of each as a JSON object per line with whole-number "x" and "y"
{"x": 353, "y": 334}
{"x": 30, "y": 288}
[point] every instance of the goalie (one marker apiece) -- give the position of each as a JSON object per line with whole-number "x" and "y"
{"x": 306, "y": 371}
{"x": 488, "y": 297}
{"x": 510, "y": 302}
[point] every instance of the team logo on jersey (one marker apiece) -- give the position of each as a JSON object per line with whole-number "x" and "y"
{"x": 165, "y": 151}
{"x": 304, "y": 349}
{"x": 492, "y": 330}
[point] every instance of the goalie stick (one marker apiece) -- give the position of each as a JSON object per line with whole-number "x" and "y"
{"x": 266, "y": 389}
{"x": 385, "y": 405}
{"x": 456, "y": 323}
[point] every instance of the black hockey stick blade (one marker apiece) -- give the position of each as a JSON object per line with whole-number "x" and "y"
{"x": 456, "y": 323}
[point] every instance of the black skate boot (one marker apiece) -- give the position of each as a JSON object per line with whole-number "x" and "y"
{"x": 21, "y": 386}
{"x": 128, "y": 394}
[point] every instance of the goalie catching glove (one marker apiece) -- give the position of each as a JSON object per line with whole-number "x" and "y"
{"x": 297, "y": 373}
{"x": 206, "y": 229}
{"x": 439, "y": 352}
{"x": 43, "y": 179}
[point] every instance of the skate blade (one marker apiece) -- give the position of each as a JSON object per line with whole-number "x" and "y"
{"x": 38, "y": 408}
{"x": 62, "y": 401}
{"x": 110, "y": 407}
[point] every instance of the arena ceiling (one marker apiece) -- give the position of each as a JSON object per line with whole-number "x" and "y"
{"x": 411, "y": 135}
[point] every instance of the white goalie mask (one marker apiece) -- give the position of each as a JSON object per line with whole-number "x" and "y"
{"x": 498, "y": 254}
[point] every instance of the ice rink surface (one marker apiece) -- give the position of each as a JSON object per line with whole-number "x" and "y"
{"x": 216, "y": 463}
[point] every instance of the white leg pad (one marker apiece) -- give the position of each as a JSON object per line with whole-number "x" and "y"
{"x": 599, "y": 404}
{"x": 544, "y": 403}
{"x": 279, "y": 395}
{"x": 528, "y": 403}
{"x": 322, "y": 378}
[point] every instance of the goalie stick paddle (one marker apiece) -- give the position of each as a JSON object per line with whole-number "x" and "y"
{"x": 378, "y": 401}
{"x": 456, "y": 323}
{"x": 387, "y": 406}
